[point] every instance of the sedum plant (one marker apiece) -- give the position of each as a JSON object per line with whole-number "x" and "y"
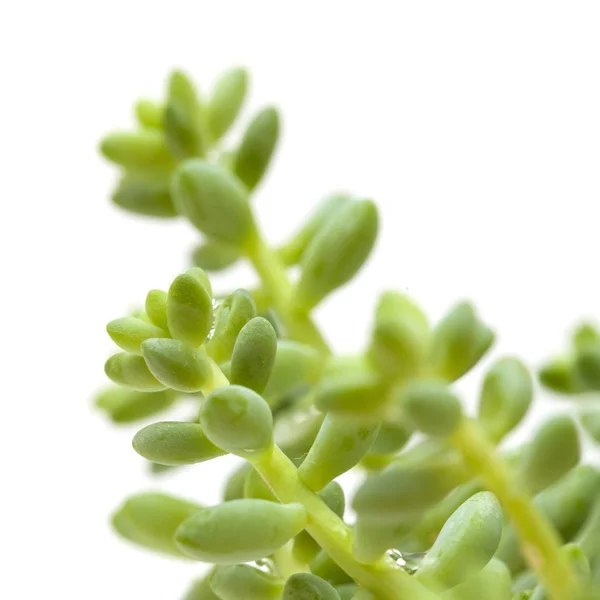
{"x": 443, "y": 510}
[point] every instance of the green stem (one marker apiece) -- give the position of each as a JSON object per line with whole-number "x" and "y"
{"x": 287, "y": 565}
{"x": 541, "y": 543}
{"x": 274, "y": 277}
{"x": 218, "y": 378}
{"x": 383, "y": 578}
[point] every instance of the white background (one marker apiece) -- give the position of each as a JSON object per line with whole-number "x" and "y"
{"x": 475, "y": 126}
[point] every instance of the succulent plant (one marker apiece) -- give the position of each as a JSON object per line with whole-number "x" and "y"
{"x": 442, "y": 512}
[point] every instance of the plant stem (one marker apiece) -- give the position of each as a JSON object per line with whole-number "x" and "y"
{"x": 541, "y": 543}
{"x": 287, "y": 565}
{"x": 383, "y": 578}
{"x": 218, "y": 378}
{"x": 274, "y": 277}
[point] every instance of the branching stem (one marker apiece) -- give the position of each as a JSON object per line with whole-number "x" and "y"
{"x": 274, "y": 277}
{"x": 541, "y": 543}
{"x": 383, "y": 578}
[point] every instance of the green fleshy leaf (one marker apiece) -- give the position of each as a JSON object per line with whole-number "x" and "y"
{"x": 306, "y": 586}
{"x": 252, "y": 158}
{"x": 400, "y": 337}
{"x": 226, "y": 101}
{"x": 340, "y": 445}
{"x": 177, "y": 365}
{"x": 337, "y": 252}
{"x": 431, "y": 407}
{"x": 213, "y": 255}
{"x": 189, "y": 307}
{"x": 505, "y": 397}
{"x": 466, "y": 543}
{"x": 240, "y": 530}
{"x": 253, "y": 355}
{"x": 174, "y": 443}
{"x": 131, "y": 371}
{"x": 214, "y": 201}
{"x": 182, "y": 118}
{"x": 129, "y": 333}
{"x": 137, "y": 149}
{"x": 146, "y": 192}
{"x": 124, "y": 405}
{"x": 150, "y": 520}
{"x": 237, "y": 420}
{"x": 554, "y": 450}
